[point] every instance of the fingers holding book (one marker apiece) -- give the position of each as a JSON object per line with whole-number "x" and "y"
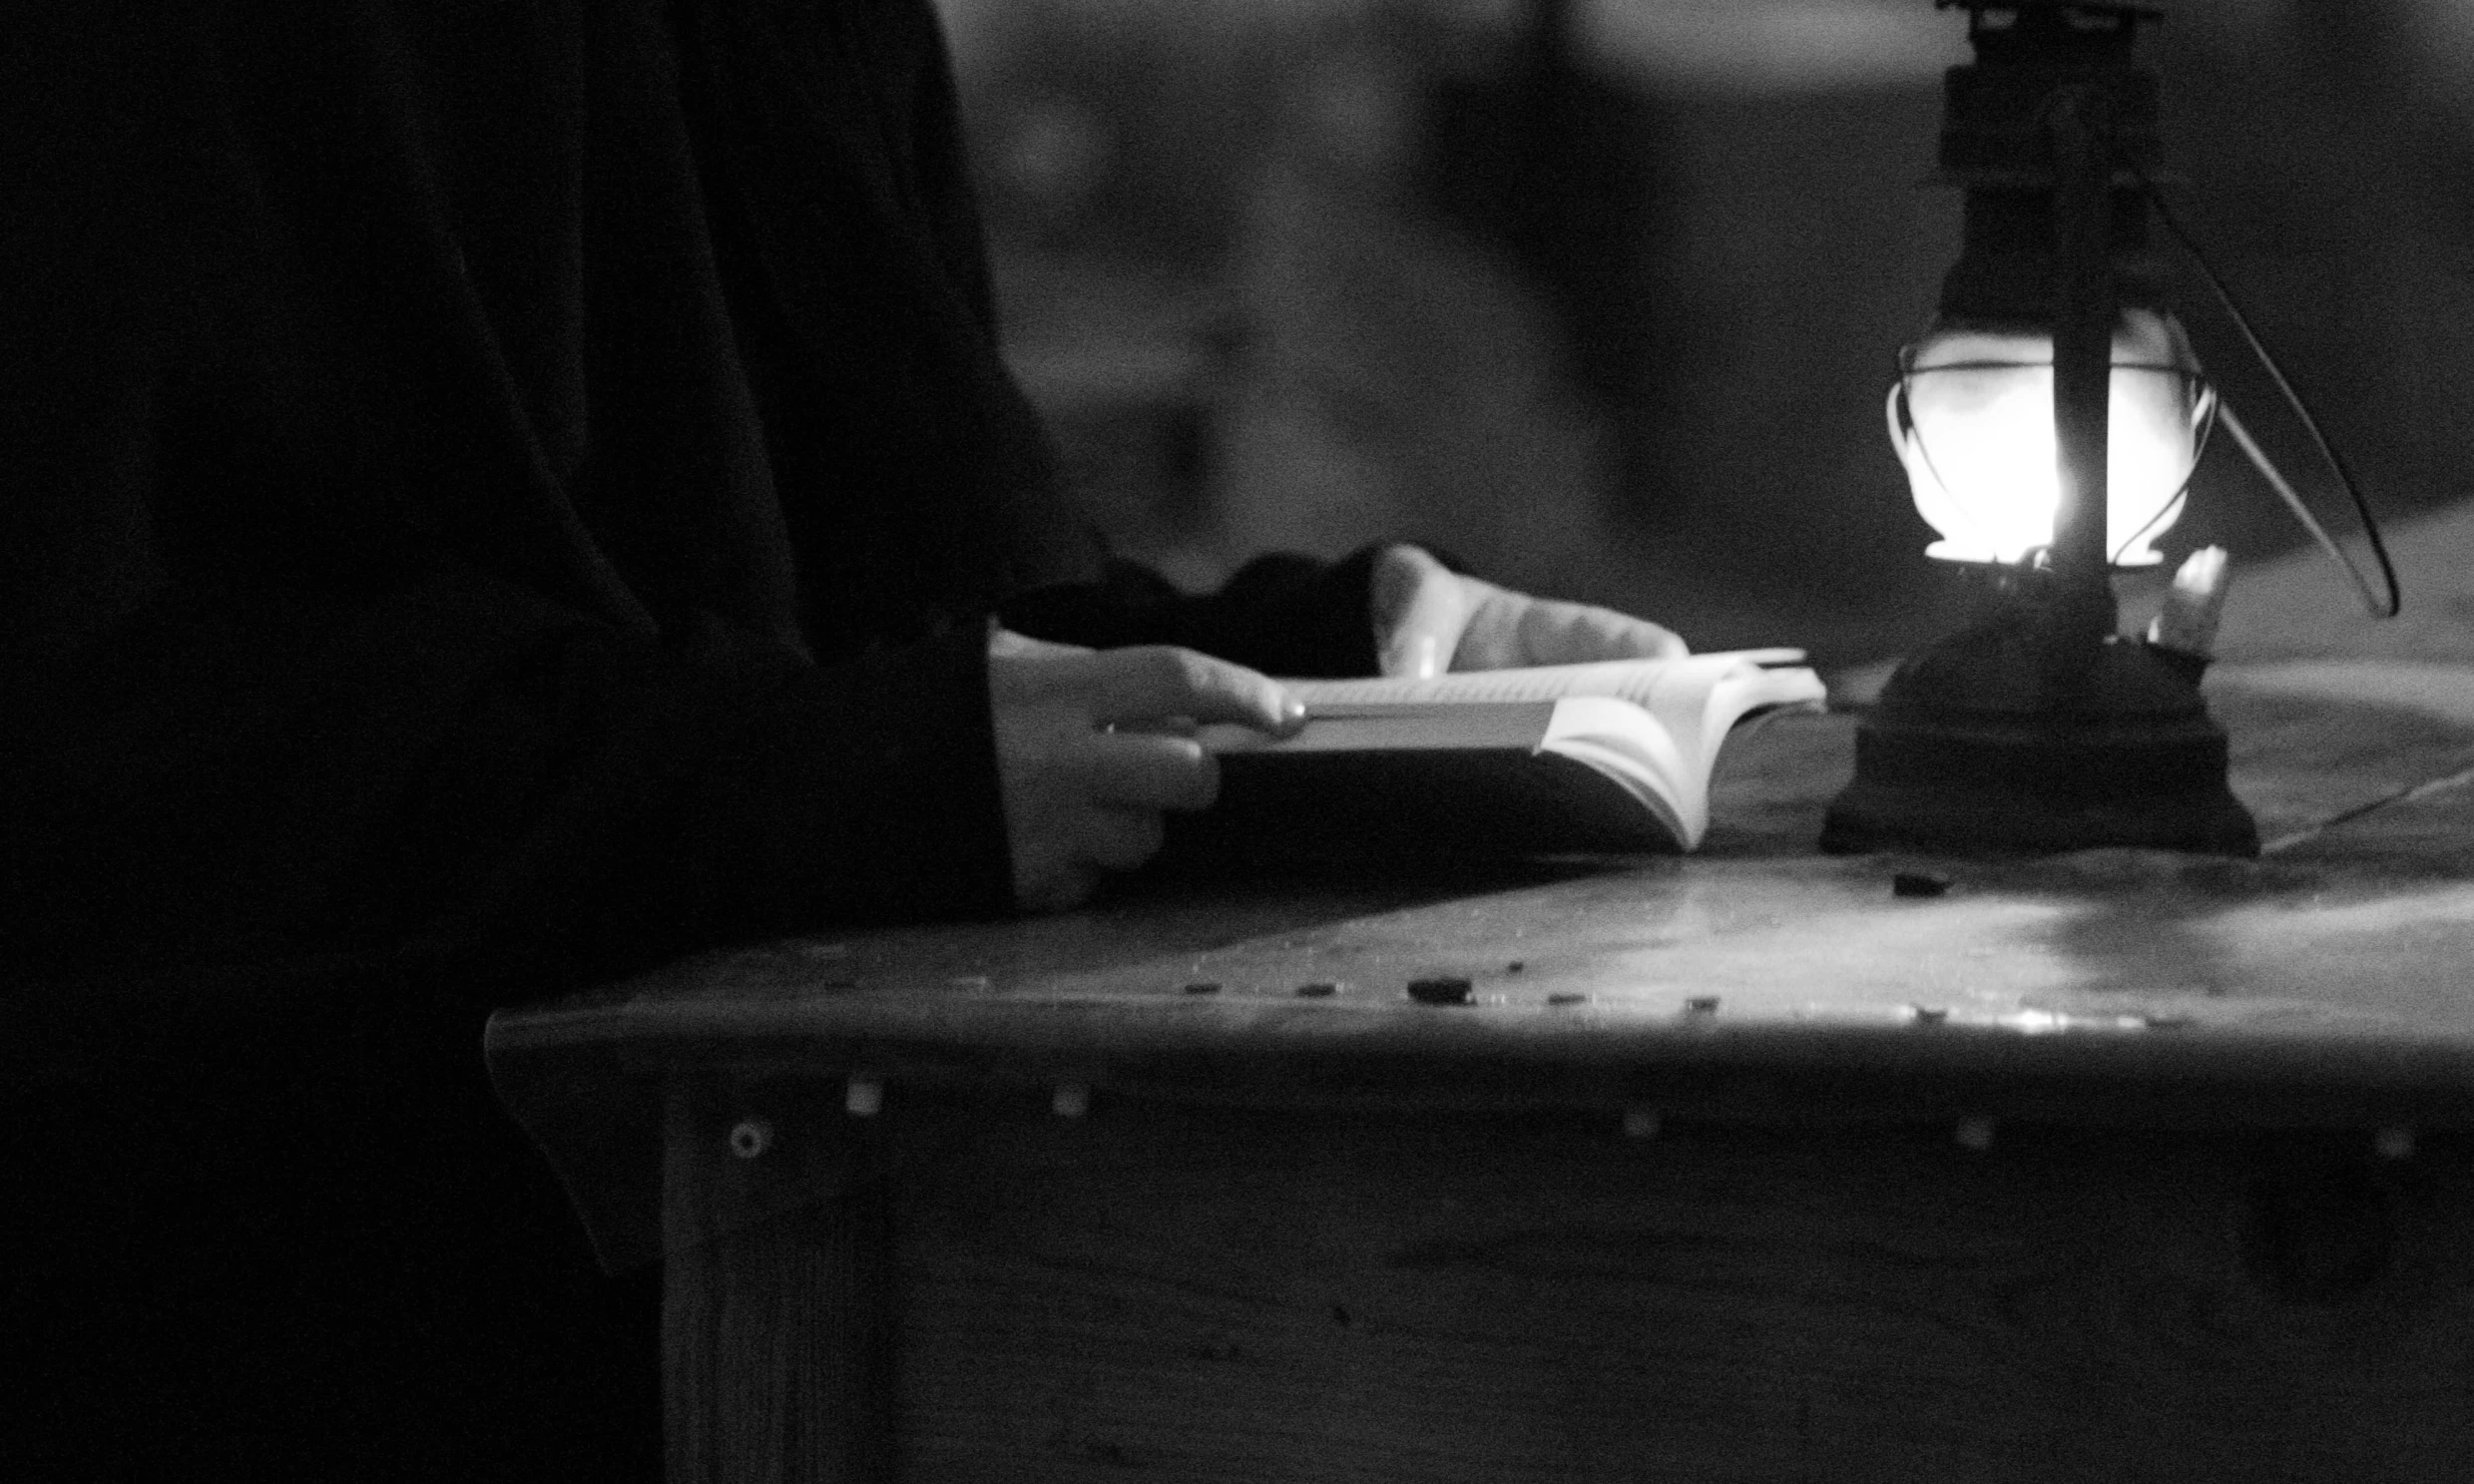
{"x": 1092, "y": 745}
{"x": 1429, "y": 619}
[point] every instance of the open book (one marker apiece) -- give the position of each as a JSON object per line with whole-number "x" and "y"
{"x": 1573, "y": 758}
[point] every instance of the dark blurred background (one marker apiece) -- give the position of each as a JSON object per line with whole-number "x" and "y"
{"x": 1602, "y": 297}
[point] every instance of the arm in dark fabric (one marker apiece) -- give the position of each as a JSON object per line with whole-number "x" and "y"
{"x": 1282, "y": 613}
{"x": 711, "y": 791}
{"x": 331, "y": 552}
{"x": 456, "y": 766}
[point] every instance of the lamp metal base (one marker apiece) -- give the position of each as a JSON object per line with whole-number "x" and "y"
{"x": 2004, "y": 739}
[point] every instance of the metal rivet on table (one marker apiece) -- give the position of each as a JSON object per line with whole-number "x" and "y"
{"x": 1441, "y": 990}
{"x": 1072, "y": 1099}
{"x": 750, "y": 1136}
{"x": 1640, "y": 1123}
{"x": 1975, "y": 1134}
{"x": 863, "y": 1096}
{"x": 2394, "y": 1143}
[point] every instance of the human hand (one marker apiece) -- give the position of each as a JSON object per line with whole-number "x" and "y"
{"x": 1428, "y": 619}
{"x": 1093, "y": 745}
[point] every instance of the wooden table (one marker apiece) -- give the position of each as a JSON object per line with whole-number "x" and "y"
{"x": 1744, "y": 1165}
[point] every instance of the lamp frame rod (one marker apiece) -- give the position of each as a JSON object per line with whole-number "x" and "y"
{"x": 2086, "y": 308}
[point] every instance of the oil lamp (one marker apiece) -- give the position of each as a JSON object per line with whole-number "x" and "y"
{"x": 2049, "y": 420}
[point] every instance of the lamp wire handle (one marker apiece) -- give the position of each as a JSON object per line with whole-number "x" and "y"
{"x": 2320, "y": 533}
{"x": 2371, "y": 602}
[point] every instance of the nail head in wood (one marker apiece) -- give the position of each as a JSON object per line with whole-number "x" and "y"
{"x": 750, "y": 1136}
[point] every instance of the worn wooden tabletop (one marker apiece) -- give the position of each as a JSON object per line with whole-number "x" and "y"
{"x": 2331, "y": 980}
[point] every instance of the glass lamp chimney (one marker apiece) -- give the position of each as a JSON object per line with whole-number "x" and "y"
{"x": 1971, "y": 418}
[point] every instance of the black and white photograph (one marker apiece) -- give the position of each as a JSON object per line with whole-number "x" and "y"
{"x": 1250, "y": 742}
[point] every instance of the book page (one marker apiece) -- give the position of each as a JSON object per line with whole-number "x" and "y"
{"x": 1636, "y": 680}
{"x": 1643, "y": 754}
{"x": 1699, "y": 703}
{"x": 1463, "y": 725}
{"x": 1697, "y": 706}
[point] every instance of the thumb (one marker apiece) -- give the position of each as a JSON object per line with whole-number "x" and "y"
{"x": 1419, "y": 608}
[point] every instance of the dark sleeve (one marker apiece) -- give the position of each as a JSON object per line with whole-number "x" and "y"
{"x": 454, "y": 768}
{"x": 1282, "y": 614}
{"x": 329, "y": 620}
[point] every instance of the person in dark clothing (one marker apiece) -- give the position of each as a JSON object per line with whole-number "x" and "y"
{"x": 497, "y": 495}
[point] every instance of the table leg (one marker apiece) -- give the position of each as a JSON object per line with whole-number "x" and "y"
{"x": 777, "y": 1334}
